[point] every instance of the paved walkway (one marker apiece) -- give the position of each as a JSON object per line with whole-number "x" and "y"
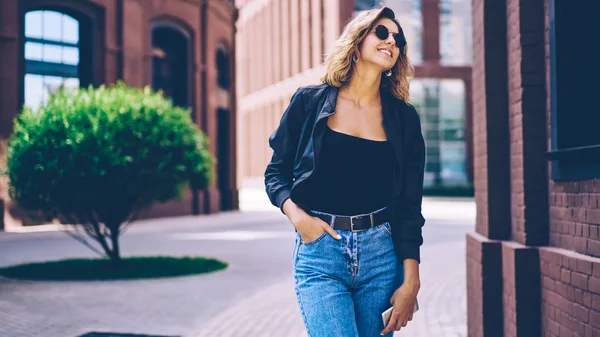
{"x": 273, "y": 311}
{"x": 253, "y": 297}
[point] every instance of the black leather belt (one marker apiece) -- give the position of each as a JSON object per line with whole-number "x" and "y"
{"x": 355, "y": 223}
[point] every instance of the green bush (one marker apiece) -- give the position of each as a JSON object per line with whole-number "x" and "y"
{"x": 97, "y": 156}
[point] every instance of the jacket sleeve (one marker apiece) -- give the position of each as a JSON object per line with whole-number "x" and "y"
{"x": 279, "y": 173}
{"x": 412, "y": 220}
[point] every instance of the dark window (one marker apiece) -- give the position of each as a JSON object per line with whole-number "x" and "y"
{"x": 52, "y": 54}
{"x": 224, "y": 138}
{"x": 170, "y": 64}
{"x": 223, "y": 68}
{"x": 575, "y": 116}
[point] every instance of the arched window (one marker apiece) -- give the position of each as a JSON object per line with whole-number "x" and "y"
{"x": 170, "y": 63}
{"x": 223, "y": 77}
{"x": 52, "y": 54}
{"x": 223, "y": 68}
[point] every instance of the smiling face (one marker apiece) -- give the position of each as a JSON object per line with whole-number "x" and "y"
{"x": 383, "y": 53}
{"x": 363, "y": 50}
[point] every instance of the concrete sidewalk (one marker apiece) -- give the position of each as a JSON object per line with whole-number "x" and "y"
{"x": 441, "y": 210}
{"x": 254, "y": 296}
{"x": 274, "y": 312}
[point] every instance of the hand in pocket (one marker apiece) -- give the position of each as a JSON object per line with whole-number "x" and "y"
{"x": 311, "y": 228}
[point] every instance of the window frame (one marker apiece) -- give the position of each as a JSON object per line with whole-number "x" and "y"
{"x": 91, "y": 39}
{"x": 567, "y": 164}
{"x": 223, "y": 78}
{"x": 44, "y": 68}
{"x": 165, "y": 22}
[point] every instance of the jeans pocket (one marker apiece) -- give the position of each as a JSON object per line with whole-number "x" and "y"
{"x": 386, "y": 228}
{"x": 319, "y": 238}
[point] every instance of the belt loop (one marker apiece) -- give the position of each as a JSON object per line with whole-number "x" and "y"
{"x": 332, "y": 221}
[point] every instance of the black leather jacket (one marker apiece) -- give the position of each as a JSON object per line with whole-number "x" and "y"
{"x": 296, "y": 145}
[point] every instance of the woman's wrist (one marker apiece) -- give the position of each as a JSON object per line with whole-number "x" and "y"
{"x": 288, "y": 207}
{"x": 411, "y": 274}
{"x": 412, "y": 283}
{"x": 291, "y": 210}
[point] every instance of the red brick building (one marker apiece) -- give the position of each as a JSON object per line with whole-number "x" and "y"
{"x": 534, "y": 261}
{"x": 281, "y": 45}
{"x": 184, "y": 47}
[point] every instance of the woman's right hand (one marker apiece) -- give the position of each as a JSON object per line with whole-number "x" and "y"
{"x": 309, "y": 227}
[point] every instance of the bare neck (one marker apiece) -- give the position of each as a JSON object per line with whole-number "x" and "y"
{"x": 363, "y": 87}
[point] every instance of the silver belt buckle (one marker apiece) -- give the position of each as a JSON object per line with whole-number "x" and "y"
{"x": 356, "y": 216}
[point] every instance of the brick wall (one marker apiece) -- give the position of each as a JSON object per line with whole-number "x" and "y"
{"x": 491, "y": 170}
{"x": 570, "y": 294}
{"x": 484, "y": 286}
{"x": 575, "y": 216}
{"x": 520, "y": 284}
{"x": 479, "y": 118}
{"x": 474, "y": 287}
{"x": 570, "y": 273}
{"x": 527, "y": 111}
{"x": 491, "y": 121}
{"x": 124, "y": 52}
{"x": 509, "y": 296}
{"x": 10, "y": 40}
{"x": 549, "y": 264}
{"x": 516, "y": 133}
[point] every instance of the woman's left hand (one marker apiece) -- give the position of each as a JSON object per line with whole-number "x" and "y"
{"x": 403, "y": 301}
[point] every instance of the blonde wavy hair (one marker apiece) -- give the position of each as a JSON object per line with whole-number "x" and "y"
{"x": 339, "y": 63}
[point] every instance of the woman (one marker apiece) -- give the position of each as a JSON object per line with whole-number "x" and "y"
{"x": 347, "y": 171}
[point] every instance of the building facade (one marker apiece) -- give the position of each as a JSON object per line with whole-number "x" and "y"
{"x": 533, "y": 262}
{"x": 295, "y": 35}
{"x": 184, "y": 47}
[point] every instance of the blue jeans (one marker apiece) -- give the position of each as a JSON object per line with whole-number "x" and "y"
{"x": 343, "y": 286}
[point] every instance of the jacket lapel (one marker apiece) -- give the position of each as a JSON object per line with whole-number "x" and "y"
{"x": 392, "y": 117}
{"x": 330, "y": 102}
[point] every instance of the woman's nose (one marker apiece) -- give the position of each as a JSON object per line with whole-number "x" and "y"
{"x": 390, "y": 40}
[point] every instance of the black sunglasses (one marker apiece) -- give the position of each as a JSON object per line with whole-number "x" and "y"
{"x": 382, "y": 33}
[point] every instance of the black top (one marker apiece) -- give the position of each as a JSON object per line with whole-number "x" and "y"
{"x": 354, "y": 175}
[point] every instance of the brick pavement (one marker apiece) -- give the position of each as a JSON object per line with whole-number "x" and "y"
{"x": 274, "y": 312}
{"x": 70, "y": 309}
{"x": 254, "y": 297}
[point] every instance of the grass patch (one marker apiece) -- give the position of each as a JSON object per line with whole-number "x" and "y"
{"x": 102, "y": 269}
